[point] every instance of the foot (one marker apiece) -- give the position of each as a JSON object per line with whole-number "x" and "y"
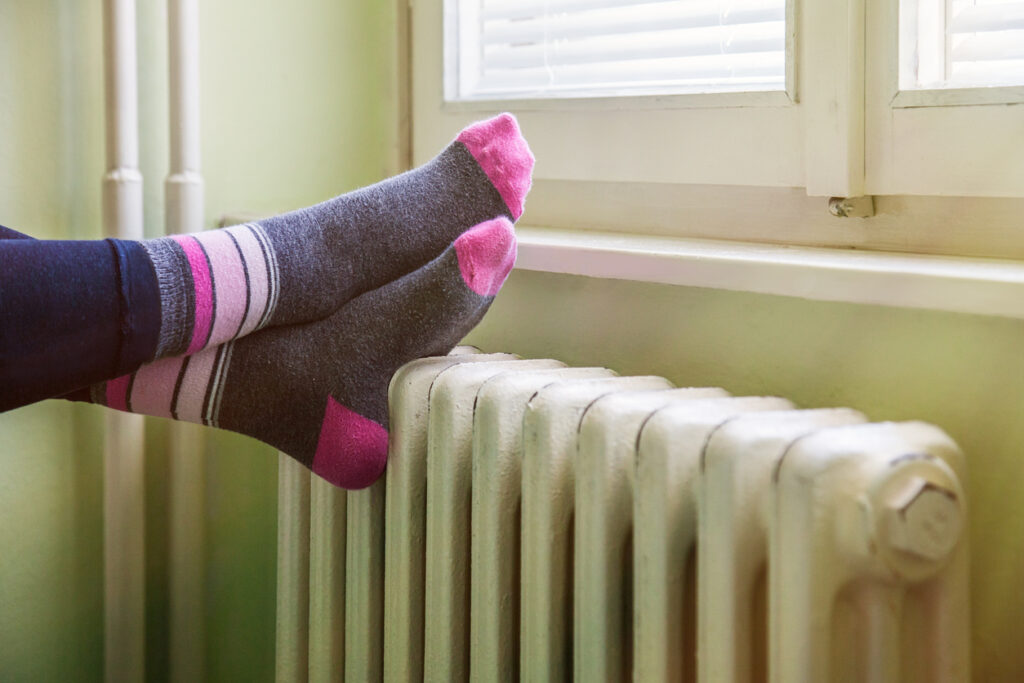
{"x": 302, "y": 266}
{"x": 318, "y": 391}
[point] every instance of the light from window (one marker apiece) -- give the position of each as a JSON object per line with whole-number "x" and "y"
{"x": 507, "y": 49}
{"x": 961, "y": 43}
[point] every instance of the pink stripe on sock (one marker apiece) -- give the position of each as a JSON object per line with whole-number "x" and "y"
{"x": 352, "y": 450}
{"x": 486, "y": 254}
{"x": 154, "y": 387}
{"x": 256, "y": 266}
{"x": 194, "y": 384}
{"x": 502, "y": 152}
{"x": 203, "y": 290}
{"x": 231, "y": 286}
{"x": 117, "y": 392}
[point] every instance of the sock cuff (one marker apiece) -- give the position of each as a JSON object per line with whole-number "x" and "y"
{"x": 177, "y": 294}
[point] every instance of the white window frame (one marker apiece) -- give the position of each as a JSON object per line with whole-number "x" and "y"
{"x": 955, "y": 142}
{"x": 768, "y": 139}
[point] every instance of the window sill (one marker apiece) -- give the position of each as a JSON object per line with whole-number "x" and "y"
{"x": 944, "y": 283}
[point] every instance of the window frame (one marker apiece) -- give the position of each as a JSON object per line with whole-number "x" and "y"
{"x": 951, "y": 142}
{"x": 809, "y": 136}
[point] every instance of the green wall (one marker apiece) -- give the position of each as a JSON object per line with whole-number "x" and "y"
{"x": 963, "y": 373}
{"x": 296, "y": 107}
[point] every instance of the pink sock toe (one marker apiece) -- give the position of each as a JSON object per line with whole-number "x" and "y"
{"x": 352, "y": 449}
{"x": 499, "y": 148}
{"x": 486, "y": 254}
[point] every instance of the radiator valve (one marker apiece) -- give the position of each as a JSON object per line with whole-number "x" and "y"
{"x": 924, "y": 520}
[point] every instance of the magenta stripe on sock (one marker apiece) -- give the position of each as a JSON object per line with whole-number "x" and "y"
{"x": 117, "y": 392}
{"x": 257, "y": 269}
{"x": 231, "y": 286}
{"x": 194, "y": 384}
{"x": 203, "y": 289}
{"x": 154, "y": 387}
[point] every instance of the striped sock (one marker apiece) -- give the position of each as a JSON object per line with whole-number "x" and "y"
{"x": 302, "y": 266}
{"x": 318, "y": 391}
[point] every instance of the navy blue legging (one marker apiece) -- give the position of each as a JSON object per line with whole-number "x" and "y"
{"x": 72, "y": 313}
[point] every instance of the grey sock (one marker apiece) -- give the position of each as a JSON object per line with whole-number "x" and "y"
{"x": 318, "y": 390}
{"x": 301, "y": 266}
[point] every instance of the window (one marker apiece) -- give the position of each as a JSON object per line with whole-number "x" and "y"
{"x": 601, "y": 48}
{"x": 733, "y": 136}
{"x": 945, "y": 109}
{"x": 961, "y": 43}
{"x": 859, "y": 109}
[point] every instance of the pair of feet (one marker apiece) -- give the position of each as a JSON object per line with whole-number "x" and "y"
{"x": 289, "y": 330}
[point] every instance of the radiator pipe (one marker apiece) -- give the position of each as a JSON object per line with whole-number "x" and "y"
{"x": 183, "y": 195}
{"x": 123, "y": 465}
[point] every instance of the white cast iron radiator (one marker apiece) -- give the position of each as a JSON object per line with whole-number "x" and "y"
{"x": 545, "y": 523}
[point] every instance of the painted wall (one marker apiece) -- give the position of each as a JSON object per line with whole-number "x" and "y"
{"x": 964, "y": 373}
{"x": 295, "y": 109}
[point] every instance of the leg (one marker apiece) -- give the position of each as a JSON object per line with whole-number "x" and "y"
{"x": 318, "y": 391}
{"x": 73, "y": 313}
{"x": 76, "y": 313}
{"x": 8, "y": 234}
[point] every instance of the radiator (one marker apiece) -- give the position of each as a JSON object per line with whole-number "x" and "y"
{"x": 545, "y": 523}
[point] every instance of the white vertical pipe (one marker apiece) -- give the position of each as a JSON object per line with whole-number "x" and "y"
{"x": 187, "y": 552}
{"x": 183, "y": 191}
{"x": 184, "y": 185}
{"x": 123, "y": 495}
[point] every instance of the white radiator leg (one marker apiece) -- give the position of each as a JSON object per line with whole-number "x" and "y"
{"x": 327, "y": 533}
{"x": 550, "y": 429}
{"x": 665, "y": 531}
{"x": 495, "y": 529}
{"x": 364, "y": 584}
{"x": 733, "y": 529}
{"x": 292, "y": 660}
{"x": 878, "y": 504}
{"x": 449, "y": 471}
{"x": 605, "y": 463}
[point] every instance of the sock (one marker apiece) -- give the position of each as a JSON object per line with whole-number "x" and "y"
{"x": 301, "y": 266}
{"x": 318, "y": 391}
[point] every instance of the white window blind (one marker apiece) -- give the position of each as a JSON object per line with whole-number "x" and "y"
{"x": 961, "y": 43}
{"x": 500, "y": 49}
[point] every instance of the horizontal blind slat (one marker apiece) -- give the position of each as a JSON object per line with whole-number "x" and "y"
{"x": 526, "y": 48}
{"x": 704, "y": 69}
{"x": 629, "y": 20}
{"x": 997, "y": 45}
{"x": 517, "y": 9}
{"x": 665, "y": 45}
{"x": 990, "y": 73}
{"x": 1000, "y": 17}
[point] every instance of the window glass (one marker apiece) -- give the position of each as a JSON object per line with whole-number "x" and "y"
{"x": 508, "y": 49}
